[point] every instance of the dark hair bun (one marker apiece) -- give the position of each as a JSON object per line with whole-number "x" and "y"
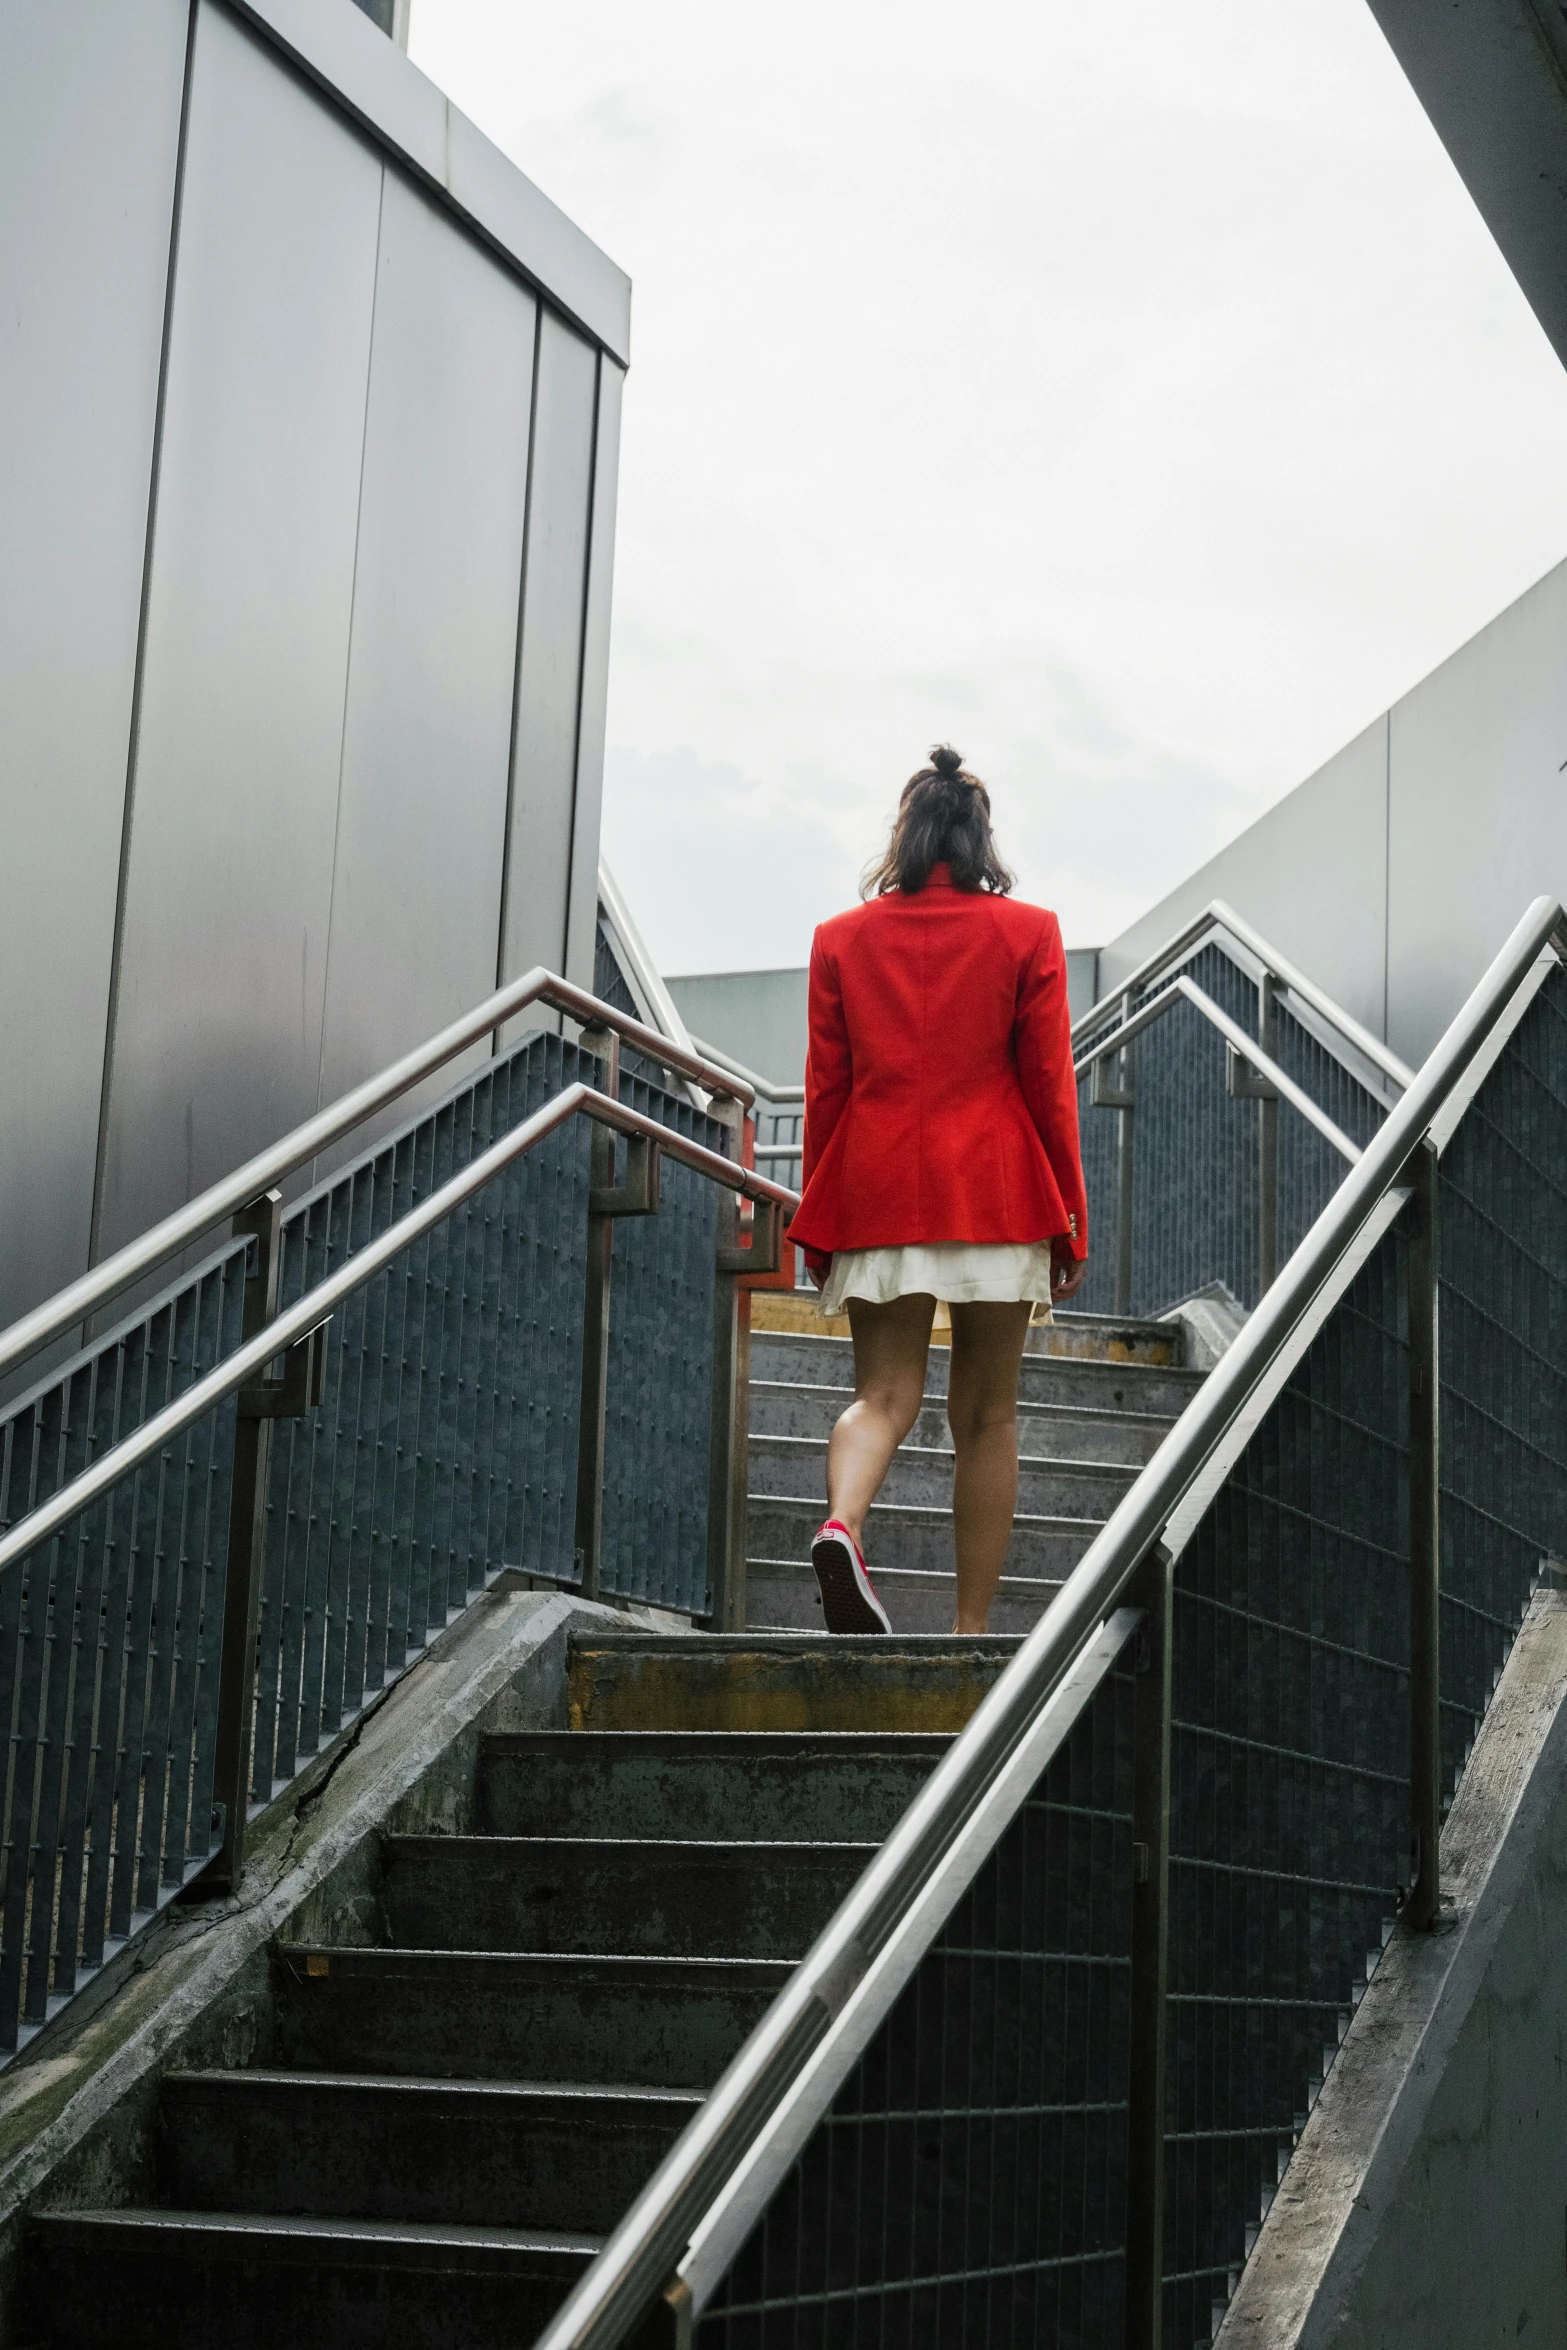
{"x": 947, "y": 761}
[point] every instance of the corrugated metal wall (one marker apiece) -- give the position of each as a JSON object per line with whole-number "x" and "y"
{"x": 304, "y": 581}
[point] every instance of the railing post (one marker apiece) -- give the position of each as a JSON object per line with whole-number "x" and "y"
{"x": 231, "y": 1771}
{"x": 604, "y": 1045}
{"x": 1245, "y": 1083}
{"x": 1120, "y": 1097}
{"x": 1423, "y": 1900}
{"x": 1267, "y": 1141}
{"x": 729, "y": 1449}
{"x": 1151, "y": 1589}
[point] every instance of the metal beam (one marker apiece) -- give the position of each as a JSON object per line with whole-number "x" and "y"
{"x": 1492, "y": 76}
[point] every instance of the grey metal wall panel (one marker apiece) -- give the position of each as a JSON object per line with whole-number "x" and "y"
{"x": 1311, "y": 875}
{"x": 418, "y": 122}
{"x": 89, "y": 136}
{"x": 1464, "y": 778}
{"x": 549, "y": 668}
{"x": 1478, "y": 819}
{"x": 217, "y": 1044}
{"x": 421, "y": 832}
{"x": 588, "y": 803}
{"x": 757, "y": 1016}
{"x": 1082, "y": 979}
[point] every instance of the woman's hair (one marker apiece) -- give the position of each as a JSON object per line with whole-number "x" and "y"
{"x": 943, "y": 819}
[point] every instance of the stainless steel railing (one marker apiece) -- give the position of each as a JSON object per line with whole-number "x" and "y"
{"x": 95, "y": 1289}
{"x": 1252, "y": 1070}
{"x": 293, "y": 1334}
{"x": 695, "y": 2213}
{"x": 1219, "y": 920}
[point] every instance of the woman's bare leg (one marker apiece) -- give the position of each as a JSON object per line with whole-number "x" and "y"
{"x": 987, "y": 1349}
{"x": 891, "y": 1343}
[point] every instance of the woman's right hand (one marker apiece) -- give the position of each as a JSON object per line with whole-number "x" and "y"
{"x": 1067, "y": 1273}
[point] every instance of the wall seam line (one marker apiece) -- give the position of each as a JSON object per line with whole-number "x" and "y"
{"x": 348, "y": 662}
{"x": 516, "y": 675}
{"x": 1387, "y": 867}
{"x": 594, "y": 492}
{"x": 138, "y": 678}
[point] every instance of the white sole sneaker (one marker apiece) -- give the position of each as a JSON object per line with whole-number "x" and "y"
{"x": 849, "y": 1600}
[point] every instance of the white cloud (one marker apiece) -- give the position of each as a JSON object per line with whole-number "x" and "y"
{"x": 1132, "y": 395}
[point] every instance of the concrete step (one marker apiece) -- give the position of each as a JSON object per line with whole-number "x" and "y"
{"x": 572, "y": 1893}
{"x": 780, "y": 1681}
{"x": 781, "y": 1594}
{"x": 185, "y": 2280}
{"x": 491, "y": 2015}
{"x": 1063, "y": 1380}
{"x": 921, "y": 1476}
{"x": 905, "y": 1535}
{"x": 1107, "y": 1338}
{"x": 515, "y": 2154}
{"x": 1046, "y": 1431}
{"x": 1097, "y": 1337}
{"x": 818, "y": 1786}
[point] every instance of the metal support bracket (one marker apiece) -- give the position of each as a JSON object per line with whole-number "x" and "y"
{"x": 765, "y": 1253}
{"x": 301, "y": 1387}
{"x": 1105, "y": 1096}
{"x": 1241, "y": 1081}
{"x": 671, "y": 2322}
{"x": 639, "y": 1194}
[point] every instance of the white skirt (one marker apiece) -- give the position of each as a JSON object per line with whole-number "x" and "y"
{"x": 962, "y": 1272}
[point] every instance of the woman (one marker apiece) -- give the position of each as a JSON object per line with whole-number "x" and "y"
{"x": 941, "y": 1161}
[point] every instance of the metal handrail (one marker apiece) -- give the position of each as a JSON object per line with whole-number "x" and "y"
{"x": 104, "y": 1281}
{"x": 1217, "y": 916}
{"x": 754, "y": 2097}
{"x": 1186, "y": 990}
{"x": 249, "y": 1360}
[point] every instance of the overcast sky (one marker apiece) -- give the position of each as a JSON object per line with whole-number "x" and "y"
{"x": 1131, "y": 395}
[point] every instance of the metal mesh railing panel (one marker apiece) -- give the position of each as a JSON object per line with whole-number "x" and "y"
{"x": 1195, "y": 1158}
{"x": 1290, "y": 1773}
{"x": 1310, "y": 1169}
{"x": 1196, "y": 1165}
{"x": 1290, "y": 1813}
{"x": 658, "y": 1429}
{"x": 1502, "y": 1226}
{"x": 778, "y": 1128}
{"x": 109, "y": 1636}
{"x": 611, "y": 986}
{"x": 969, "y": 2184}
{"x": 445, "y": 1446}
{"x": 444, "y": 1450}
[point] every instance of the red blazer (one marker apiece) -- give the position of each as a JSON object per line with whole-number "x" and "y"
{"x": 940, "y": 1102}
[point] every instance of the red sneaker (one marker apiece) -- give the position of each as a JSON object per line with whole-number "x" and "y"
{"x": 849, "y": 1600}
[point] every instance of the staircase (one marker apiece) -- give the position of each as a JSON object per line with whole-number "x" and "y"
{"x": 439, "y": 2121}
{"x": 1098, "y": 1395}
